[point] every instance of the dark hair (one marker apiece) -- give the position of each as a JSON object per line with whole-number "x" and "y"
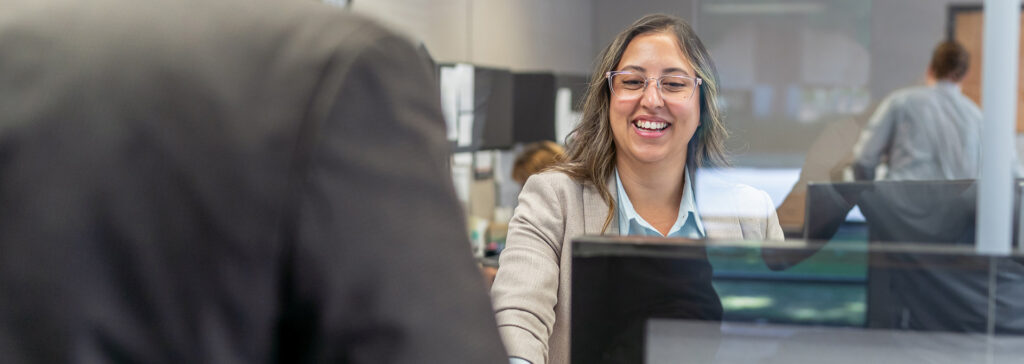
{"x": 590, "y": 157}
{"x": 949, "y": 61}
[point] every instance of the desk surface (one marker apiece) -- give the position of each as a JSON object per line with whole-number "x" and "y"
{"x": 673, "y": 341}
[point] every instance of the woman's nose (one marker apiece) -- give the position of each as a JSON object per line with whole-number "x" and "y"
{"x": 652, "y": 94}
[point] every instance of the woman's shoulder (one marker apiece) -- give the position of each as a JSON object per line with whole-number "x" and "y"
{"x": 552, "y": 186}
{"x": 551, "y": 176}
{"x": 551, "y": 179}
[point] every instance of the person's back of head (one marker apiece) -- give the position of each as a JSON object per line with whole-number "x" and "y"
{"x": 949, "y": 62}
{"x": 535, "y": 158}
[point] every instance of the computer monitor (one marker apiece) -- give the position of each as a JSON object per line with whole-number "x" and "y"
{"x": 577, "y": 85}
{"x": 492, "y": 108}
{"x": 477, "y": 105}
{"x": 617, "y": 285}
{"x": 940, "y": 213}
{"x": 534, "y": 106}
{"x": 905, "y": 211}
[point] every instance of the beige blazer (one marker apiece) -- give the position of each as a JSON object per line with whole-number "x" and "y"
{"x": 531, "y": 291}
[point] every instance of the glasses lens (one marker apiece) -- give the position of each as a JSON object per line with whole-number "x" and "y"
{"x": 672, "y": 87}
{"x": 677, "y": 86}
{"x": 627, "y": 83}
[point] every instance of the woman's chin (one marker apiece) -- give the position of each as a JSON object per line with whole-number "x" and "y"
{"x": 652, "y": 158}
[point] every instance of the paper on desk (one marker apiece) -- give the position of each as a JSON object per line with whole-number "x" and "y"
{"x": 483, "y": 161}
{"x": 464, "y": 77}
{"x": 465, "y": 130}
{"x": 462, "y": 176}
{"x": 450, "y": 100}
{"x": 565, "y": 118}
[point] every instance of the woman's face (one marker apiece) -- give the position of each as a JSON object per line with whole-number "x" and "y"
{"x": 648, "y": 129}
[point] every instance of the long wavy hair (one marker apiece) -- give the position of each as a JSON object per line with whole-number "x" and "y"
{"x": 590, "y": 158}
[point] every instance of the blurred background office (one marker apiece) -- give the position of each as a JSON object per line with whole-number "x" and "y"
{"x": 799, "y": 80}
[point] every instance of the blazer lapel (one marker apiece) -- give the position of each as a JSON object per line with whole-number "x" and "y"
{"x": 595, "y": 210}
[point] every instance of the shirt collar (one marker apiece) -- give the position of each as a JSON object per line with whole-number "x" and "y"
{"x": 947, "y": 85}
{"x": 630, "y": 220}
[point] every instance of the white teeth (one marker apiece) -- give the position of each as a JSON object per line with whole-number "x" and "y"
{"x": 652, "y": 125}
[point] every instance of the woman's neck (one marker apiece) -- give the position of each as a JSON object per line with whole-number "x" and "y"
{"x": 652, "y": 188}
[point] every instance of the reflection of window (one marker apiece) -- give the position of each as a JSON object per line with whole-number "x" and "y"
{"x": 339, "y": 3}
{"x": 816, "y": 102}
{"x": 787, "y": 68}
{"x": 798, "y": 61}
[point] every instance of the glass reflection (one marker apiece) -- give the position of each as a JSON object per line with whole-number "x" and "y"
{"x": 641, "y": 300}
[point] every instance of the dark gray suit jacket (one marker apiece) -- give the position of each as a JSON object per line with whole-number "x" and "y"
{"x": 228, "y": 181}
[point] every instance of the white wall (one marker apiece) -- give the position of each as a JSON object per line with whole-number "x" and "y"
{"x": 566, "y": 35}
{"x": 611, "y": 16}
{"x": 440, "y": 24}
{"x": 903, "y": 32}
{"x": 776, "y": 51}
{"x": 522, "y": 35}
{"x": 903, "y": 35}
{"x": 533, "y": 34}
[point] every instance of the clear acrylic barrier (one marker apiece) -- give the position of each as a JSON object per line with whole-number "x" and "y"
{"x": 685, "y": 301}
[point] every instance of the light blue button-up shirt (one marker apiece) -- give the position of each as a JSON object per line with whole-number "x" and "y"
{"x": 926, "y": 133}
{"x": 687, "y": 225}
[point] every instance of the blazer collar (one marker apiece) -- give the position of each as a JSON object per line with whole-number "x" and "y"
{"x": 716, "y": 203}
{"x": 595, "y": 210}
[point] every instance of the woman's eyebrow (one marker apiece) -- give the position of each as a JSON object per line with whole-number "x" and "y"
{"x": 663, "y": 71}
{"x": 675, "y": 70}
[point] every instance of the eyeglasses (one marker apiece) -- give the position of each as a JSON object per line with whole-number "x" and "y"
{"x": 631, "y": 85}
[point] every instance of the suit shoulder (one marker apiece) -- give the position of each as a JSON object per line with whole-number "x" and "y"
{"x": 552, "y": 177}
{"x": 911, "y": 94}
{"x": 553, "y": 183}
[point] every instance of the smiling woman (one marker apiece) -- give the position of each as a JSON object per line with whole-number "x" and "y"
{"x": 650, "y": 119}
{"x": 651, "y": 131}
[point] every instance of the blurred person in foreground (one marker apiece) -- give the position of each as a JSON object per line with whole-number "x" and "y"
{"x": 650, "y": 119}
{"x": 930, "y": 132}
{"x": 226, "y": 182}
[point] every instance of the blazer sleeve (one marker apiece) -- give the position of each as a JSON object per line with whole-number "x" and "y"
{"x": 526, "y": 287}
{"x": 380, "y": 269}
{"x": 773, "y": 230}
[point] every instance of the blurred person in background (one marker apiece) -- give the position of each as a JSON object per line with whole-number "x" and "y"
{"x": 226, "y": 182}
{"x": 929, "y": 132}
{"x": 534, "y": 158}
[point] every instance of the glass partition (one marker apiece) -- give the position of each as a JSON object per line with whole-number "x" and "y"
{"x": 688, "y": 301}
